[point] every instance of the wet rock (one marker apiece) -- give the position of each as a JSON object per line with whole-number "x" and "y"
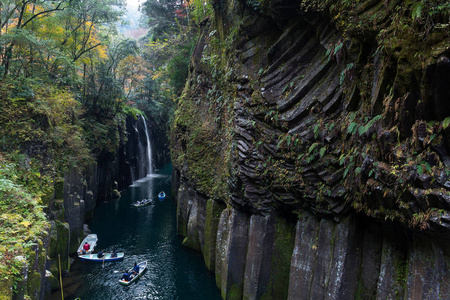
{"x": 303, "y": 258}
{"x": 233, "y": 248}
{"x": 259, "y": 256}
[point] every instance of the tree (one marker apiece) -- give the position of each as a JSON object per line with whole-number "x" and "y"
{"x": 102, "y": 87}
{"x": 164, "y": 17}
{"x": 15, "y": 17}
{"x": 52, "y": 33}
{"x": 81, "y": 22}
{"x": 131, "y": 72}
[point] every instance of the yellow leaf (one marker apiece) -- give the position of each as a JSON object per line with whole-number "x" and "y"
{"x": 25, "y": 223}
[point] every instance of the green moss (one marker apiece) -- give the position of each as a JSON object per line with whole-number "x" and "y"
{"x": 74, "y": 243}
{"x": 47, "y": 197}
{"x": 59, "y": 189}
{"x": 233, "y": 293}
{"x": 6, "y": 289}
{"x": 359, "y": 293}
{"x": 213, "y": 211}
{"x": 281, "y": 260}
{"x": 54, "y": 282}
{"x": 34, "y": 284}
{"x": 191, "y": 243}
{"x": 401, "y": 278}
{"x": 202, "y": 152}
{"x": 218, "y": 277}
{"x": 36, "y": 261}
{"x": 202, "y": 130}
{"x": 59, "y": 241}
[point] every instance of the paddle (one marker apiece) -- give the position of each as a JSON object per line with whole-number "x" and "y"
{"x": 103, "y": 261}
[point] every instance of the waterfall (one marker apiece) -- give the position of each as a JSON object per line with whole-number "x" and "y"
{"x": 149, "y": 149}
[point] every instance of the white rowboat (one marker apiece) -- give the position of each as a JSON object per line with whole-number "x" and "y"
{"x": 142, "y": 268}
{"x": 91, "y": 239}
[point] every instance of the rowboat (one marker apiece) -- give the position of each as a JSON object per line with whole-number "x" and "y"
{"x": 142, "y": 269}
{"x": 161, "y": 195}
{"x": 142, "y": 203}
{"x": 107, "y": 257}
{"x": 91, "y": 239}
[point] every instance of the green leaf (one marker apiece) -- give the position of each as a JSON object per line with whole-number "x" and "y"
{"x": 446, "y": 122}
{"x": 352, "y": 128}
{"x": 362, "y": 130}
{"x": 322, "y": 151}
{"x": 420, "y": 169}
{"x": 417, "y": 10}
{"x": 311, "y": 148}
{"x": 347, "y": 170}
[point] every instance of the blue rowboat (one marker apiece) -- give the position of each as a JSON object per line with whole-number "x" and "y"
{"x": 161, "y": 195}
{"x": 107, "y": 257}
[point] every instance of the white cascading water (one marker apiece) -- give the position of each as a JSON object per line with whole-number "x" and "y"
{"x": 149, "y": 149}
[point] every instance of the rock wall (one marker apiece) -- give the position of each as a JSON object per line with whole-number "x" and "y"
{"x": 317, "y": 131}
{"x": 268, "y": 257}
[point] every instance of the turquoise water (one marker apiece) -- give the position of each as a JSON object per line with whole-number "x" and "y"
{"x": 145, "y": 233}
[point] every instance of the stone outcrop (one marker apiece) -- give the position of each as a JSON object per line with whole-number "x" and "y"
{"x": 318, "y": 132}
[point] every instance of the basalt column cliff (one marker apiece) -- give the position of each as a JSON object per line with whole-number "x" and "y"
{"x": 311, "y": 149}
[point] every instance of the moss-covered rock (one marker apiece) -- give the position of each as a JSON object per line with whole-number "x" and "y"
{"x": 59, "y": 189}
{"x": 213, "y": 212}
{"x": 281, "y": 260}
{"x": 52, "y": 280}
{"x": 59, "y": 245}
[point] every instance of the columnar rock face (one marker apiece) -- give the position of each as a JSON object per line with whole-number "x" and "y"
{"x": 78, "y": 194}
{"x": 320, "y": 130}
{"x": 267, "y": 257}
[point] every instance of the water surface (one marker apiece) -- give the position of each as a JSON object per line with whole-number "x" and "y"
{"x": 146, "y": 233}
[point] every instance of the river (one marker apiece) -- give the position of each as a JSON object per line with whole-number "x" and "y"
{"x": 145, "y": 233}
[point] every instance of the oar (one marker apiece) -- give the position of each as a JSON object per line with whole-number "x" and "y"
{"x": 103, "y": 261}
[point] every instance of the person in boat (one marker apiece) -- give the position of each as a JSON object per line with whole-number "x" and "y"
{"x": 126, "y": 276}
{"x": 86, "y": 247}
{"x": 100, "y": 254}
{"x": 114, "y": 253}
{"x": 136, "y": 268}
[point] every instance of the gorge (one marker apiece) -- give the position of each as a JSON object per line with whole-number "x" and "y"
{"x": 309, "y": 142}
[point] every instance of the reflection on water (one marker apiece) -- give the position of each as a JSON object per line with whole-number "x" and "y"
{"x": 145, "y": 233}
